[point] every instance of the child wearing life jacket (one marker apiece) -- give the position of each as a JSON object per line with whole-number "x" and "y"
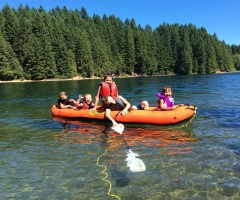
{"x": 85, "y": 102}
{"x": 65, "y": 102}
{"x": 106, "y": 88}
{"x": 166, "y": 101}
{"x": 111, "y": 104}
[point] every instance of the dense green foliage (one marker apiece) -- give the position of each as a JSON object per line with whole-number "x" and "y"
{"x": 61, "y": 43}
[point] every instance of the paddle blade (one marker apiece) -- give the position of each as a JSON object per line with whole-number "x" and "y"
{"x": 135, "y": 164}
{"x": 119, "y": 128}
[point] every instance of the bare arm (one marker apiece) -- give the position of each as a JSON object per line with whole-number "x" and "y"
{"x": 163, "y": 106}
{"x": 128, "y": 105}
{"x": 97, "y": 98}
{"x": 78, "y": 103}
{"x": 107, "y": 114}
{"x": 79, "y": 99}
{"x": 117, "y": 93}
{"x": 65, "y": 106}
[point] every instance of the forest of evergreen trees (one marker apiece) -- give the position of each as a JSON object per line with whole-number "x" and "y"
{"x": 62, "y": 43}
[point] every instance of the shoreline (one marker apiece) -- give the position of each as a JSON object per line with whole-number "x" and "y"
{"x": 77, "y": 78}
{"x": 45, "y": 80}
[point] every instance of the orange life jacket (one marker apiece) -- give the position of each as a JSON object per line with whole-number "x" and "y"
{"x": 86, "y": 106}
{"x": 108, "y": 90}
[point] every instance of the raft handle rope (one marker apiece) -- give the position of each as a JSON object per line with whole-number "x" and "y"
{"x": 195, "y": 112}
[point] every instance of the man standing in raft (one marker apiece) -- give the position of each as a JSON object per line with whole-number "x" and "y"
{"x": 106, "y": 88}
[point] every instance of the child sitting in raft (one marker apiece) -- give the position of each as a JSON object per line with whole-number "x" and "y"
{"x": 66, "y": 102}
{"x": 166, "y": 101}
{"x": 85, "y": 102}
{"x": 106, "y": 88}
{"x": 110, "y": 104}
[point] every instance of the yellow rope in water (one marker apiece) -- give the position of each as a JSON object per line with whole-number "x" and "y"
{"x": 105, "y": 178}
{"x": 195, "y": 112}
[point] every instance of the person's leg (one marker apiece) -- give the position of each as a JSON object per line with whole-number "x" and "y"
{"x": 134, "y": 108}
{"x": 145, "y": 105}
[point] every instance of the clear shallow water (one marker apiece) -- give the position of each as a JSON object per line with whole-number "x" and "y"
{"x": 49, "y": 158}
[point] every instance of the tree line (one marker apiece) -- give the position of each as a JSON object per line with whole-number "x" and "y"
{"x": 62, "y": 43}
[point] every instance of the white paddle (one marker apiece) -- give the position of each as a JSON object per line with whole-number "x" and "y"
{"x": 119, "y": 128}
{"x": 135, "y": 164}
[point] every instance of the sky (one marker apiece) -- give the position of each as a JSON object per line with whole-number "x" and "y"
{"x": 216, "y": 16}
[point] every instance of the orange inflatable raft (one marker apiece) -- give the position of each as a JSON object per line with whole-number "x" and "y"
{"x": 150, "y": 116}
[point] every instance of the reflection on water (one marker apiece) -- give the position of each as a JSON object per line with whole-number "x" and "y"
{"x": 85, "y": 132}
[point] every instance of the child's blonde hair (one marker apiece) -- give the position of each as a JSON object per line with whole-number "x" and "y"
{"x": 62, "y": 94}
{"x": 85, "y": 95}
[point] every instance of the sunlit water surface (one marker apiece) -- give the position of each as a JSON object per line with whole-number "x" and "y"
{"x": 43, "y": 157}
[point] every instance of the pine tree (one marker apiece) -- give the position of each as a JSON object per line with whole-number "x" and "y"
{"x": 11, "y": 27}
{"x": 201, "y": 56}
{"x": 211, "y": 63}
{"x": 25, "y": 31}
{"x": 164, "y": 51}
{"x": 185, "y": 57}
{"x": 236, "y": 60}
{"x": 151, "y": 61}
{"x": 227, "y": 58}
{"x": 10, "y": 68}
{"x": 130, "y": 49}
{"x": 219, "y": 52}
{"x": 83, "y": 56}
{"x": 175, "y": 43}
{"x": 140, "y": 53}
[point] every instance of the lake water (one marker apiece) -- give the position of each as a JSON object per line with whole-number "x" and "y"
{"x": 48, "y": 158}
